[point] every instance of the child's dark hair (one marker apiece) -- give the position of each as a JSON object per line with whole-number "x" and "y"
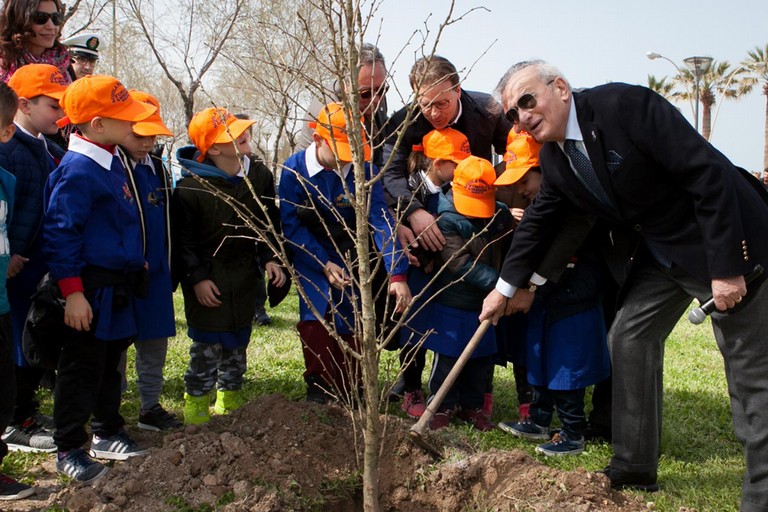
{"x": 9, "y": 102}
{"x": 418, "y": 161}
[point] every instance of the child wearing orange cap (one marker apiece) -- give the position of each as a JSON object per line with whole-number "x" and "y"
{"x": 431, "y": 167}
{"x": 154, "y": 312}
{"x": 30, "y": 157}
{"x": 95, "y": 254}
{"x": 319, "y": 222}
{"x": 472, "y": 223}
{"x": 217, "y": 257}
{"x": 566, "y": 348}
{"x": 10, "y": 488}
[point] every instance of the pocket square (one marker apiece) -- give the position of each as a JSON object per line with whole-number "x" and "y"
{"x": 614, "y": 160}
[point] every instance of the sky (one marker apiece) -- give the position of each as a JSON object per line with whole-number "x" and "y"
{"x": 591, "y": 42}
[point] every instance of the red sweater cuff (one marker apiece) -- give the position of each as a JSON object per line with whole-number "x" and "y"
{"x": 70, "y": 285}
{"x": 399, "y": 278}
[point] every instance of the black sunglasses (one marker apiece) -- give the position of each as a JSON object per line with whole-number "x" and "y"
{"x": 526, "y": 102}
{"x": 41, "y": 18}
{"x": 366, "y": 94}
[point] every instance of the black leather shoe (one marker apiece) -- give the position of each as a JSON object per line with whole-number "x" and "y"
{"x": 639, "y": 481}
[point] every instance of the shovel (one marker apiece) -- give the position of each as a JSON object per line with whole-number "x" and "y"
{"x": 420, "y": 428}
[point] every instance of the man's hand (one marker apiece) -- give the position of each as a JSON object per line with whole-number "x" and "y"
{"x": 407, "y": 241}
{"x": 275, "y": 273}
{"x": 77, "y": 312}
{"x": 424, "y": 226}
{"x": 728, "y": 291}
{"x": 402, "y": 295}
{"x": 336, "y": 275}
{"x": 520, "y": 302}
{"x": 16, "y": 265}
{"x": 207, "y": 293}
{"x": 494, "y": 307}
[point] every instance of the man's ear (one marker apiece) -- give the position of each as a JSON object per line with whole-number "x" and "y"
{"x": 563, "y": 91}
{"x": 7, "y": 132}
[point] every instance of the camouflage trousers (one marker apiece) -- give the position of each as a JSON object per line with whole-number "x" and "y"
{"x": 211, "y": 364}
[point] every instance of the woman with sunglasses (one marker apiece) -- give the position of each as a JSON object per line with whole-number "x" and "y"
{"x": 29, "y": 34}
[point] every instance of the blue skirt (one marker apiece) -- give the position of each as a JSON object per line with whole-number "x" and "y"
{"x": 569, "y": 354}
{"x": 454, "y": 328}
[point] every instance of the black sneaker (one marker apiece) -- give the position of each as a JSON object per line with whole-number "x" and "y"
{"x": 29, "y": 437}
{"x": 78, "y": 465}
{"x": 156, "y": 418}
{"x": 117, "y": 447}
{"x": 11, "y": 489}
{"x": 261, "y": 317}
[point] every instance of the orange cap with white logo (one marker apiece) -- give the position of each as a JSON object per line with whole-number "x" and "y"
{"x": 153, "y": 125}
{"x": 445, "y": 144}
{"x": 215, "y": 126}
{"x": 473, "y": 192}
{"x": 522, "y": 154}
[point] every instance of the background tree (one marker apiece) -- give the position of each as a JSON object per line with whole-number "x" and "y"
{"x": 757, "y": 62}
{"x": 662, "y": 86}
{"x": 718, "y": 81}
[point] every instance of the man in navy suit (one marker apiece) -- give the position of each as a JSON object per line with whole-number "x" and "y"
{"x": 685, "y": 222}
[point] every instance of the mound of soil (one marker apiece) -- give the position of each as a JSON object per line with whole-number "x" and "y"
{"x": 277, "y": 455}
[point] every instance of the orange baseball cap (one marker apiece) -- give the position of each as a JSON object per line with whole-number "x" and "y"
{"x": 153, "y": 125}
{"x": 473, "y": 192}
{"x": 34, "y": 80}
{"x": 215, "y": 126}
{"x": 445, "y": 144}
{"x": 332, "y": 126}
{"x": 100, "y": 96}
{"x": 522, "y": 154}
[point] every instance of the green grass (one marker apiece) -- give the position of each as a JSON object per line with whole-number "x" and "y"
{"x": 701, "y": 466}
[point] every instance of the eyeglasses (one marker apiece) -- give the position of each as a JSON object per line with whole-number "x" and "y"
{"x": 41, "y": 18}
{"x": 526, "y": 102}
{"x": 84, "y": 61}
{"x": 366, "y": 94}
{"x": 436, "y": 105}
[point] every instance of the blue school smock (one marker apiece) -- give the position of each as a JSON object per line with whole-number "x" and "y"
{"x": 569, "y": 353}
{"x": 91, "y": 219}
{"x": 303, "y": 179}
{"x": 154, "y": 313}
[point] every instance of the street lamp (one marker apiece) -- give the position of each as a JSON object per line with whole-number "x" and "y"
{"x": 758, "y": 66}
{"x": 698, "y": 66}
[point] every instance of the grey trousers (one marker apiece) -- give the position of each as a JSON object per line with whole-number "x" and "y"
{"x": 656, "y": 299}
{"x": 150, "y": 360}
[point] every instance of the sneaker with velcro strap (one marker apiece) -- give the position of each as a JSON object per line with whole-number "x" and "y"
{"x": 117, "y": 447}
{"x": 79, "y": 466}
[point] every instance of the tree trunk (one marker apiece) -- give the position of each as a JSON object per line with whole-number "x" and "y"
{"x": 367, "y": 336}
{"x": 706, "y": 119}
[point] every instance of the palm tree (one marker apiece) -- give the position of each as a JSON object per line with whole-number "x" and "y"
{"x": 757, "y": 63}
{"x": 661, "y": 86}
{"x": 717, "y": 81}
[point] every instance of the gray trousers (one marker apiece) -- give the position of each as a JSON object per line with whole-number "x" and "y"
{"x": 150, "y": 360}
{"x": 656, "y": 299}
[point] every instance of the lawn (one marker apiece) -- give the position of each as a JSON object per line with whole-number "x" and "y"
{"x": 701, "y": 465}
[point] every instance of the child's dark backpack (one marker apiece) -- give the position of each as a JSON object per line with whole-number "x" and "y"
{"x": 44, "y": 329}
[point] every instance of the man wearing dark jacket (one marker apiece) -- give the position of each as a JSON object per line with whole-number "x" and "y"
{"x": 441, "y": 103}
{"x": 687, "y": 224}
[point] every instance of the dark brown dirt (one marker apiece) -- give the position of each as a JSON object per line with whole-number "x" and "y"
{"x": 277, "y": 455}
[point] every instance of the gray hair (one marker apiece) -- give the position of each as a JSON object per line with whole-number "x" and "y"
{"x": 369, "y": 55}
{"x": 544, "y": 71}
